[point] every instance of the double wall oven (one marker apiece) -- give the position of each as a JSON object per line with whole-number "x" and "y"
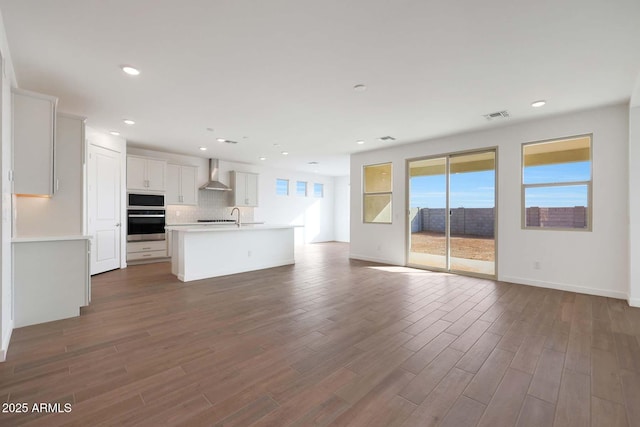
{"x": 145, "y": 217}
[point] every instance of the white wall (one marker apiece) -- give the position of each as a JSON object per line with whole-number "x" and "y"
{"x": 634, "y": 206}
{"x": 341, "y": 208}
{"x": 7, "y": 79}
{"x": 315, "y": 216}
{"x": 592, "y": 262}
{"x": 119, "y": 145}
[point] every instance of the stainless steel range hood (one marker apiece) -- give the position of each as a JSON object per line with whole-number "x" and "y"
{"x": 213, "y": 183}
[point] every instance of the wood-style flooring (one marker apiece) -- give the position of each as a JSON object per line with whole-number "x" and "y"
{"x": 329, "y": 341}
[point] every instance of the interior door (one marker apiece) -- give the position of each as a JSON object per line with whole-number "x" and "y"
{"x": 452, "y": 213}
{"x": 104, "y": 209}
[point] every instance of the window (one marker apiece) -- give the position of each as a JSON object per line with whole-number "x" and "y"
{"x": 282, "y": 187}
{"x": 376, "y": 204}
{"x": 318, "y": 190}
{"x": 556, "y": 184}
{"x": 301, "y": 188}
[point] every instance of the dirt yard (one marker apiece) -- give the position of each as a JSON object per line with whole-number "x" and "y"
{"x": 480, "y": 248}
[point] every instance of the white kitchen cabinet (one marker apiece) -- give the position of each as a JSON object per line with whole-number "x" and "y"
{"x": 156, "y": 175}
{"x": 62, "y": 214}
{"x": 51, "y": 278}
{"x": 34, "y": 123}
{"x": 245, "y": 188}
{"x": 181, "y": 185}
{"x": 140, "y": 251}
{"x": 145, "y": 174}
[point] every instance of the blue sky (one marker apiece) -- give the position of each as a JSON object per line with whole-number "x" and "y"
{"x": 476, "y": 189}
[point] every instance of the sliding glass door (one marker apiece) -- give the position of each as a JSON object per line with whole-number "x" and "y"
{"x": 452, "y": 213}
{"x": 428, "y": 222}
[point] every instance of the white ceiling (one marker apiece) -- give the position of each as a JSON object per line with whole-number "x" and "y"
{"x": 282, "y": 71}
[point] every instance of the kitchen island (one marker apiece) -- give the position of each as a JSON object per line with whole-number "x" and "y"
{"x": 203, "y": 251}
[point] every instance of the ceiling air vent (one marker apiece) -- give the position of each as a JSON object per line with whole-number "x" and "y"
{"x": 497, "y": 115}
{"x": 228, "y": 141}
{"x": 387, "y": 138}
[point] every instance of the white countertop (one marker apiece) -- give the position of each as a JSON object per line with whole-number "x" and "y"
{"x": 48, "y": 238}
{"x": 224, "y": 227}
{"x": 206, "y": 224}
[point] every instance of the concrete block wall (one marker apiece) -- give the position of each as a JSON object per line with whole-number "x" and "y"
{"x": 480, "y": 221}
{"x": 416, "y": 220}
{"x": 463, "y": 221}
{"x": 575, "y": 217}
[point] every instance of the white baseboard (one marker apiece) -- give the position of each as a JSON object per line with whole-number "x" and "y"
{"x": 371, "y": 259}
{"x": 567, "y": 287}
{"x": 634, "y": 302}
{"x": 5, "y": 342}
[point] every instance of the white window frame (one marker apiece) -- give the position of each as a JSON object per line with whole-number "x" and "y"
{"x": 306, "y": 188}
{"x": 377, "y": 193}
{"x": 550, "y": 184}
{"x": 315, "y": 193}
{"x": 282, "y": 179}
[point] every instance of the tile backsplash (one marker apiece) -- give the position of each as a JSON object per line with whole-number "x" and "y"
{"x": 211, "y": 205}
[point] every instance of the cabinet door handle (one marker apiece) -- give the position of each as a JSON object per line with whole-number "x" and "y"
{"x": 146, "y": 249}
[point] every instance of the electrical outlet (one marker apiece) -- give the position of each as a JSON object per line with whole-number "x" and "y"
{"x": 249, "y": 253}
{"x": 536, "y": 265}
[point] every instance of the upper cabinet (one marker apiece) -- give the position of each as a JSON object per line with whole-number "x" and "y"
{"x": 62, "y": 214}
{"x": 181, "y": 185}
{"x": 245, "y": 188}
{"x": 33, "y": 143}
{"x": 145, "y": 174}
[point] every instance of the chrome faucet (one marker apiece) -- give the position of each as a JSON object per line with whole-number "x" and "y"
{"x": 238, "y": 220}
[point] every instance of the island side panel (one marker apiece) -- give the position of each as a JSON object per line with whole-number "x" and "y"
{"x": 177, "y": 254}
{"x": 211, "y": 254}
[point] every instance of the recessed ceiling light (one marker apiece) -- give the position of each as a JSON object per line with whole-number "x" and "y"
{"x": 285, "y": 153}
{"x": 203, "y": 148}
{"x": 130, "y": 70}
{"x": 360, "y": 142}
{"x": 129, "y": 122}
{"x": 115, "y": 133}
{"x": 360, "y": 88}
{"x": 221, "y": 140}
{"x": 538, "y": 104}
{"x": 263, "y": 158}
